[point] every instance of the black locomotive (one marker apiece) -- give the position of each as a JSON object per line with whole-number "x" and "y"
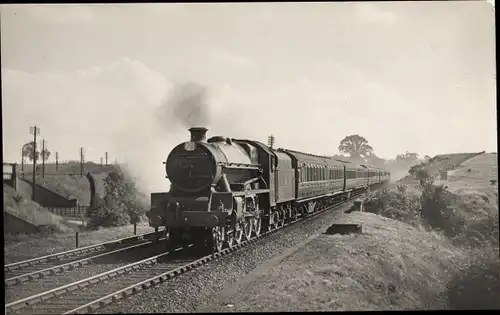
{"x": 225, "y": 190}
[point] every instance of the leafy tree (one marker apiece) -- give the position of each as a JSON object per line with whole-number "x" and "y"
{"x": 375, "y": 160}
{"x": 407, "y": 157}
{"x": 45, "y": 154}
{"x": 356, "y": 146}
{"x": 27, "y": 151}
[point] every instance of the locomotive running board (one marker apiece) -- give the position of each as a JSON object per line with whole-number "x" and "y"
{"x": 327, "y": 195}
{"x": 250, "y": 192}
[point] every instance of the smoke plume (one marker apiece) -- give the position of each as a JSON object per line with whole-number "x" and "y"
{"x": 185, "y": 106}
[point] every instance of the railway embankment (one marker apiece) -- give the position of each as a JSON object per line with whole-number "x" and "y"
{"x": 21, "y": 215}
{"x": 390, "y": 265}
{"x": 435, "y": 249}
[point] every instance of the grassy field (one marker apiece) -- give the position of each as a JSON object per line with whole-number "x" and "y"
{"x": 22, "y": 247}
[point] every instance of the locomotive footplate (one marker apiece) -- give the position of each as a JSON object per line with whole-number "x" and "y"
{"x": 196, "y": 218}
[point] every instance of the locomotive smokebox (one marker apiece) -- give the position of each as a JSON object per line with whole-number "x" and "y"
{"x": 198, "y": 133}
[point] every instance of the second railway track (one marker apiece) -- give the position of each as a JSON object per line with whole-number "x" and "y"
{"x": 87, "y": 295}
{"x": 32, "y": 265}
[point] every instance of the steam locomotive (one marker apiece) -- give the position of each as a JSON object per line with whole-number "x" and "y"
{"x": 224, "y": 191}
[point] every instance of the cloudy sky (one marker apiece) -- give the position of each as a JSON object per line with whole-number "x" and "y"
{"x": 408, "y": 76}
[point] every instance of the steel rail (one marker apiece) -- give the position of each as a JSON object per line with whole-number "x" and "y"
{"x": 72, "y": 252}
{"x": 67, "y": 266}
{"x": 80, "y": 284}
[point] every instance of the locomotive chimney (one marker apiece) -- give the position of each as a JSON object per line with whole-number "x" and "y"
{"x": 198, "y": 133}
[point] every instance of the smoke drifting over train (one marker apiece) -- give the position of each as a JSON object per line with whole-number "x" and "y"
{"x": 154, "y": 131}
{"x": 186, "y": 105}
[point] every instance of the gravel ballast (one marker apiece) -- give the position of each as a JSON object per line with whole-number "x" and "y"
{"x": 191, "y": 290}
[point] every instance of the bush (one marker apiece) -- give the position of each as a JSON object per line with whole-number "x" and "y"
{"x": 122, "y": 203}
{"x": 18, "y": 198}
{"x": 109, "y": 214}
{"x": 395, "y": 205}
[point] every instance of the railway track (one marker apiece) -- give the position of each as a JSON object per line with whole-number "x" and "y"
{"x": 47, "y": 279}
{"x": 90, "y": 294}
{"x": 32, "y": 265}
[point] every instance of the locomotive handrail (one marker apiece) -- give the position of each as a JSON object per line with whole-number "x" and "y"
{"x": 238, "y": 165}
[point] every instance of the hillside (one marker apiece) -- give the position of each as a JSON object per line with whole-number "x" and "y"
{"x": 68, "y": 182}
{"x": 390, "y": 266}
{"x": 474, "y": 175}
{"x": 443, "y": 162}
{"x": 31, "y": 212}
{"x": 69, "y": 168}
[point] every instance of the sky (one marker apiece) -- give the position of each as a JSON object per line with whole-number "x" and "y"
{"x": 407, "y": 76}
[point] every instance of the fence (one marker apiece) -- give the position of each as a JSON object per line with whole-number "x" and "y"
{"x": 74, "y": 212}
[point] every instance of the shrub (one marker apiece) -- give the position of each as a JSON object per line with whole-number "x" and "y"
{"x": 477, "y": 283}
{"x": 18, "y": 198}
{"x": 122, "y": 203}
{"x": 395, "y": 205}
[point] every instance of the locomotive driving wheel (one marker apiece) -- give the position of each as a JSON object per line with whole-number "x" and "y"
{"x": 239, "y": 232}
{"x": 282, "y": 216}
{"x": 229, "y": 234}
{"x": 217, "y": 238}
{"x": 257, "y": 225}
{"x": 247, "y": 228}
{"x": 276, "y": 218}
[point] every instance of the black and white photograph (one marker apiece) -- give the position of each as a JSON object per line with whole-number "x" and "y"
{"x": 206, "y": 157}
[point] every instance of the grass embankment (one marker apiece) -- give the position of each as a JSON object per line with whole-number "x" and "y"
{"x": 443, "y": 162}
{"x": 19, "y": 206}
{"x": 69, "y": 168}
{"x": 391, "y": 265}
{"x": 68, "y": 182}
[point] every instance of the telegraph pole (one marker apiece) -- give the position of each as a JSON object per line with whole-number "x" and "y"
{"x": 34, "y": 130}
{"x": 270, "y": 141}
{"x": 43, "y": 158}
{"x": 81, "y": 161}
{"x": 57, "y": 160}
{"x": 22, "y": 160}
{"x": 106, "y": 158}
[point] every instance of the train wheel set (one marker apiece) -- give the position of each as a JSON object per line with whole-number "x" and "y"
{"x": 207, "y": 240}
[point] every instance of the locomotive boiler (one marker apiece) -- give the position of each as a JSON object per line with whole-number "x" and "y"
{"x": 214, "y": 191}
